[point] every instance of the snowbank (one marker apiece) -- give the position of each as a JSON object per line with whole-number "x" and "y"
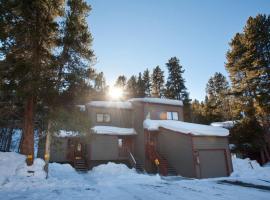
{"x": 112, "y": 169}
{"x": 12, "y": 165}
{"x": 184, "y": 127}
{"x": 158, "y": 101}
{"x": 246, "y": 168}
{"x": 64, "y": 133}
{"x": 112, "y": 130}
{"x": 226, "y": 124}
{"x": 111, "y": 104}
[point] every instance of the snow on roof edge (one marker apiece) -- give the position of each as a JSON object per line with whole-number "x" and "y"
{"x": 111, "y": 104}
{"x": 113, "y": 130}
{"x": 185, "y": 127}
{"x": 158, "y": 101}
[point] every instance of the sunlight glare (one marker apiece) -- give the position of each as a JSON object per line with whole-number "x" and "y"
{"x": 115, "y": 92}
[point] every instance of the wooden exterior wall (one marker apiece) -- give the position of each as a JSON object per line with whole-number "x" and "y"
{"x": 177, "y": 149}
{"x": 119, "y": 117}
{"x": 155, "y": 109}
{"x": 195, "y": 156}
{"x": 104, "y": 147}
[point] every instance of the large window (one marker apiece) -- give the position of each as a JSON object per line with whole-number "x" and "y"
{"x": 103, "y": 117}
{"x": 168, "y": 116}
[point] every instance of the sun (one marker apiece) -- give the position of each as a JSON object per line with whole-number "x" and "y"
{"x": 115, "y": 92}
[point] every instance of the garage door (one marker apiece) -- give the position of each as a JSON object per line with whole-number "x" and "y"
{"x": 212, "y": 163}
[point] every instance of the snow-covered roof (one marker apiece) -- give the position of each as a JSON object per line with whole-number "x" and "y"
{"x": 184, "y": 127}
{"x": 112, "y": 130}
{"x": 111, "y": 104}
{"x": 64, "y": 133}
{"x": 226, "y": 124}
{"x": 158, "y": 101}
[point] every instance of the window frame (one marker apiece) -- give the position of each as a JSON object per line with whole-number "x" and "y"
{"x": 103, "y": 117}
{"x": 172, "y": 115}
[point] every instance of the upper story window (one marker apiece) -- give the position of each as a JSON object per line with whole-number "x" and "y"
{"x": 103, "y": 117}
{"x": 168, "y": 116}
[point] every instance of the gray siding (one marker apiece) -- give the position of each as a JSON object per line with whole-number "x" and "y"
{"x": 104, "y": 147}
{"x": 138, "y": 118}
{"x": 177, "y": 149}
{"x": 58, "y": 151}
{"x": 119, "y": 117}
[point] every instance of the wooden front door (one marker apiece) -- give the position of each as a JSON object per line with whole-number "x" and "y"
{"x": 75, "y": 149}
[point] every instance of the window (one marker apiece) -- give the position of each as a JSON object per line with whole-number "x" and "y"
{"x": 106, "y": 117}
{"x": 103, "y": 117}
{"x": 120, "y": 142}
{"x": 168, "y": 116}
{"x": 172, "y": 116}
{"x": 99, "y": 117}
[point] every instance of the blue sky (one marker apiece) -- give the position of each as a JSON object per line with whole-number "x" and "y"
{"x": 132, "y": 35}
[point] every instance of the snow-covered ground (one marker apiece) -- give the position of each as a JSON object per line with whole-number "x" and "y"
{"x": 116, "y": 181}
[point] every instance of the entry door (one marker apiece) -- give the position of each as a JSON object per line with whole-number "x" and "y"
{"x": 212, "y": 163}
{"x": 78, "y": 150}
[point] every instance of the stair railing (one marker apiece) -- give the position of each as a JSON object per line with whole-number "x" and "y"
{"x": 131, "y": 159}
{"x": 153, "y": 155}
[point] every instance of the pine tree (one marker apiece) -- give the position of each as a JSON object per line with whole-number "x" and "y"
{"x": 175, "y": 85}
{"x": 28, "y": 39}
{"x": 147, "y": 83}
{"x": 121, "y": 82}
{"x": 50, "y": 56}
{"x": 157, "y": 82}
{"x": 73, "y": 69}
{"x": 217, "y": 90}
{"x": 140, "y": 86}
{"x": 248, "y": 62}
{"x": 131, "y": 88}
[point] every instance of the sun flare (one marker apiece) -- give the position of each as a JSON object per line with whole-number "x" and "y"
{"x": 116, "y": 92}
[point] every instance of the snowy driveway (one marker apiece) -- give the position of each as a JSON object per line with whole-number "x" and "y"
{"x": 114, "y": 181}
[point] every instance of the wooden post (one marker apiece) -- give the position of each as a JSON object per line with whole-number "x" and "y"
{"x": 47, "y": 149}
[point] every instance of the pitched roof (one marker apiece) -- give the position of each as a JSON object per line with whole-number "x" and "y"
{"x": 184, "y": 127}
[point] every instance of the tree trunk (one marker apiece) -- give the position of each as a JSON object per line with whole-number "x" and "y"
{"x": 47, "y": 149}
{"x": 27, "y": 145}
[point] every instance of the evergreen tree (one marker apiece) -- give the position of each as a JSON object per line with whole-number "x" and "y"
{"x": 131, "y": 88}
{"x": 157, "y": 82}
{"x": 197, "y": 112}
{"x": 147, "y": 82}
{"x": 248, "y": 138}
{"x": 48, "y": 57}
{"x": 121, "y": 82}
{"x": 175, "y": 85}
{"x": 141, "y": 86}
{"x": 217, "y": 90}
{"x": 28, "y": 35}
{"x": 73, "y": 70}
{"x": 248, "y": 62}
